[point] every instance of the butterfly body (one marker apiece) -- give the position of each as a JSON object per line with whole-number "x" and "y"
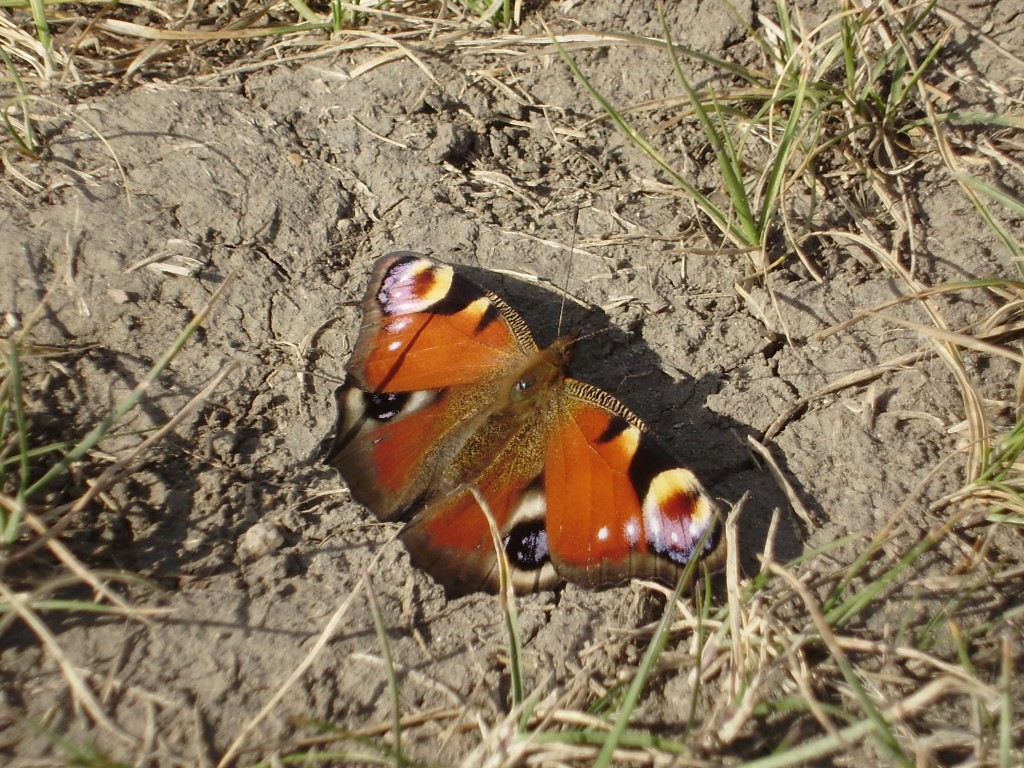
{"x": 447, "y": 391}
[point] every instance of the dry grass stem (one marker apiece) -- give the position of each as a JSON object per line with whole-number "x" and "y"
{"x": 791, "y": 495}
{"x": 328, "y": 633}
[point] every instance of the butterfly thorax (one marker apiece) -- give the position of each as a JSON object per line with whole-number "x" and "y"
{"x": 525, "y": 396}
{"x": 530, "y": 385}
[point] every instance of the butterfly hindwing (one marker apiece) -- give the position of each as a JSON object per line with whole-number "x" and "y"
{"x": 451, "y": 538}
{"x": 387, "y": 444}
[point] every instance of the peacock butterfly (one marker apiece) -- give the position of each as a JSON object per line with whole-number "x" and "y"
{"x": 447, "y": 390}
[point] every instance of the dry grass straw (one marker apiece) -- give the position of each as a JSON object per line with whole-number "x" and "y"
{"x": 329, "y": 631}
{"x": 807, "y": 116}
{"x": 769, "y": 656}
{"x": 85, "y": 45}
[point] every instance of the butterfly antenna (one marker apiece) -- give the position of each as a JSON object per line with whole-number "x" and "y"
{"x": 592, "y": 335}
{"x": 568, "y": 271}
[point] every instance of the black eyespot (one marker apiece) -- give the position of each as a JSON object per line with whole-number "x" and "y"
{"x": 527, "y": 546}
{"x": 382, "y": 406}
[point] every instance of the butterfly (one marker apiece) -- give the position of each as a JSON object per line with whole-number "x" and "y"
{"x": 447, "y": 391}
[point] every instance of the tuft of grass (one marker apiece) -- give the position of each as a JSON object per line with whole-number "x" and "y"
{"x": 50, "y": 42}
{"x": 847, "y": 94}
{"x": 48, "y": 48}
{"x": 856, "y": 97}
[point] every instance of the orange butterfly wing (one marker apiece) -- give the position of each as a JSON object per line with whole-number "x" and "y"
{"x": 619, "y": 505}
{"x": 451, "y": 538}
{"x": 427, "y": 326}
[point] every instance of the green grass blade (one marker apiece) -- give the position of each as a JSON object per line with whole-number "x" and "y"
{"x": 728, "y": 161}
{"x": 882, "y": 732}
{"x": 1006, "y": 718}
{"x": 721, "y": 220}
{"x": 508, "y": 608}
{"x": 703, "y": 612}
{"x": 848, "y": 46}
{"x": 786, "y": 25}
{"x": 839, "y": 613}
{"x": 23, "y": 138}
{"x": 780, "y": 162}
{"x": 993, "y": 192}
{"x": 307, "y": 13}
{"x": 13, "y": 359}
{"x": 1007, "y": 200}
{"x": 42, "y": 23}
{"x": 389, "y": 668}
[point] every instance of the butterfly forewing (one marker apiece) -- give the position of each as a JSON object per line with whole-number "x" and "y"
{"x": 427, "y": 326}
{"x": 431, "y": 350}
{"x": 619, "y": 504}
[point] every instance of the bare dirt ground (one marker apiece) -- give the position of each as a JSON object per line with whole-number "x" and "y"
{"x": 292, "y": 180}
